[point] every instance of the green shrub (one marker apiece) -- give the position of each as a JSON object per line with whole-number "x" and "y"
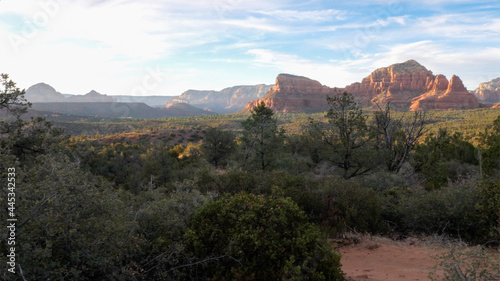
{"x": 488, "y": 207}
{"x": 466, "y": 211}
{"x": 302, "y": 190}
{"x": 259, "y": 237}
{"x": 349, "y": 206}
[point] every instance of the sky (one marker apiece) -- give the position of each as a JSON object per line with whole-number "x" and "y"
{"x": 155, "y": 47}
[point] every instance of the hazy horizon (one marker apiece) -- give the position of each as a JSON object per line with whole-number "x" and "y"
{"x": 163, "y": 48}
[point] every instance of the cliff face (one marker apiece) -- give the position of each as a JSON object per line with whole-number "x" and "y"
{"x": 406, "y": 85}
{"x": 410, "y": 84}
{"x": 228, "y": 100}
{"x": 398, "y": 84}
{"x": 489, "y": 92}
{"x": 295, "y": 94}
{"x": 444, "y": 95}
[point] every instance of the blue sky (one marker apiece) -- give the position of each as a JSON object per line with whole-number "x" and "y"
{"x": 166, "y": 47}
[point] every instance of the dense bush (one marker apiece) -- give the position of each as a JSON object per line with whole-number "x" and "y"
{"x": 71, "y": 225}
{"x": 465, "y": 211}
{"x": 260, "y": 237}
{"x": 351, "y": 207}
{"x": 444, "y": 157}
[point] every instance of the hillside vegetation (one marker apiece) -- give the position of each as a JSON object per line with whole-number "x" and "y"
{"x": 240, "y": 197}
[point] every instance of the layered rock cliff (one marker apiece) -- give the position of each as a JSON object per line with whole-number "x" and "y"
{"x": 445, "y": 95}
{"x": 227, "y": 100}
{"x": 295, "y": 94}
{"x": 410, "y": 84}
{"x": 397, "y": 84}
{"x": 407, "y": 85}
{"x": 489, "y": 92}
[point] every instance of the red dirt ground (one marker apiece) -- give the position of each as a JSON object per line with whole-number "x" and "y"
{"x": 381, "y": 259}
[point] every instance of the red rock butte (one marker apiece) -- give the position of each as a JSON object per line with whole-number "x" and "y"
{"x": 454, "y": 96}
{"x": 295, "y": 94}
{"x": 407, "y": 85}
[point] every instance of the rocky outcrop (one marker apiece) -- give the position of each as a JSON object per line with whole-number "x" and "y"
{"x": 91, "y": 96}
{"x": 227, "y": 100}
{"x": 397, "y": 84}
{"x": 410, "y": 84}
{"x": 407, "y": 85}
{"x": 496, "y": 105}
{"x": 489, "y": 92}
{"x": 42, "y": 92}
{"x": 445, "y": 95}
{"x": 295, "y": 94}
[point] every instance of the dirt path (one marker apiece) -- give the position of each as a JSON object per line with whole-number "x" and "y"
{"x": 381, "y": 259}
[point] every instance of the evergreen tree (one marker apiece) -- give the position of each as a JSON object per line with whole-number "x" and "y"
{"x": 346, "y": 136}
{"x": 262, "y": 140}
{"x": 217, "y": 146}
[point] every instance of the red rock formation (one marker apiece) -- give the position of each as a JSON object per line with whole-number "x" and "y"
{"x": 404, "y": 85}
{"x": 398, "y": 84}
{"x": 496, "y": 105}
{"x": 410, "y": 83}
{"x": 439, "y": 97}
{"x": 295, "y": 94}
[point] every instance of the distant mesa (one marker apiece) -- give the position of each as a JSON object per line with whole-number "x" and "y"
{"x": 92, "y": 96}
{"x": 489, "y": 92}
{"x": 46, "y": 100}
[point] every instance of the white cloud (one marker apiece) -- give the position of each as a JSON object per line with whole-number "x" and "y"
{"x": 472, "y": 65}
{"x": 328, "y": 73}
{"x": 315, "y": 16}
{"x": 254, "y": 23}
{"x": 106, "y": 44}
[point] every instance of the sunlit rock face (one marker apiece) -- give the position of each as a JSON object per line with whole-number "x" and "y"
{"x": 455, "y": 96}
{"x": 489, "y": 92}
{"x": 295, "y": 94}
